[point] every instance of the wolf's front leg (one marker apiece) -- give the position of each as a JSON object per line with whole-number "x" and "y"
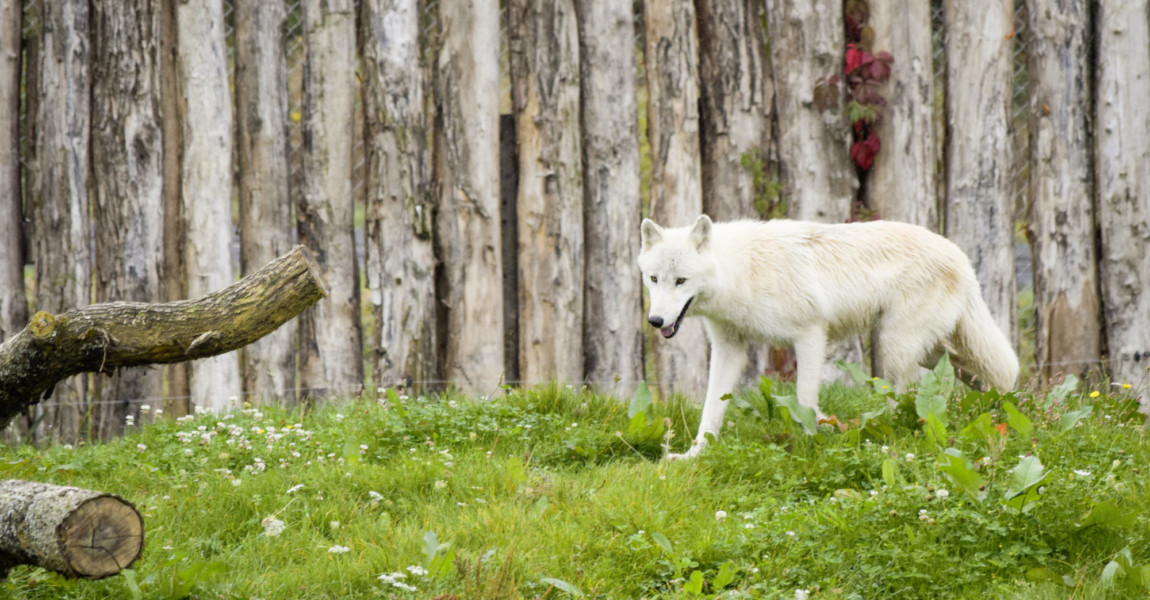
{"x": 727, "y": 362}
{"x": 810, "y": 354}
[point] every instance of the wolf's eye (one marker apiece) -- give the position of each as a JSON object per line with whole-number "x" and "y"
{"x": 681, "y": 281}
{"x": 654, "y": 279}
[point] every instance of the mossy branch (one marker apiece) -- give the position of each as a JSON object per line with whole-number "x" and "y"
{"x": 104, "y": 337}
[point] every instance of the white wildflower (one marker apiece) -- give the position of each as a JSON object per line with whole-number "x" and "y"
{"x": 273, "y": 526}
{"x": 720, "y": 515}
{"x": 338, "y": 549}
{"x": 295, "y": 488}
{"x": 801, "y": 594}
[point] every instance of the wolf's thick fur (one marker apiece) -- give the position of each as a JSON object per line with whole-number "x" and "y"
{"x": 792, "y": 282}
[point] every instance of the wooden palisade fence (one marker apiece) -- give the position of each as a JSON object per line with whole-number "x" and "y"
{"x": 370, "y": 132}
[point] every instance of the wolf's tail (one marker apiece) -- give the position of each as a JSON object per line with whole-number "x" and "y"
{"x": 985, "y": 349}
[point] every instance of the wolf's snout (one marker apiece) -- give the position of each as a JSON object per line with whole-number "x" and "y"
{"x": 655, "y": 321}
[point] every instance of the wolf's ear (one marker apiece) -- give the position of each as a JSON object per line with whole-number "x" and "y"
{"x": 701, "y": 233}
{"x": 651, "y": 233}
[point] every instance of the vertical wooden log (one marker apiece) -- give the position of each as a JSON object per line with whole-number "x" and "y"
{"x": 60, "y": 188}
{"x": 979, "y": 206}
{"x": 1061, "y": 225}
{"x": 545, "y": 97}
{"x": 1122, "y": 167}
{"x": 331, "y": 348}
{"x": 467, "y": 169}
{"x": 613, "y": 297}
{"x": 265, "y": 207}
{"x": 676, "y": 173}
{"x": 733, "y": 110}
{"x": 13, "y": 303}
{"x": 400, "y": 254}
{"x": 174, "y": 286}
{"x": 807, "y": 50}
{"x": 128, "y": 158}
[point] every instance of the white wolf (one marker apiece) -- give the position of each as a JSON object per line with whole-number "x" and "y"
{"x": 791, "y": 282}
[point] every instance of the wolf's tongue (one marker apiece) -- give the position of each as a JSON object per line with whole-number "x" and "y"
{"x": 668, "y": 331}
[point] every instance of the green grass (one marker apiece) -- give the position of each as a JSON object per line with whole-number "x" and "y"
{"x": 553, "y": 491}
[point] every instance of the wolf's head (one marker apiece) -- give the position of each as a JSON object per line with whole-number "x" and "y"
{"x": 675, "y": 270}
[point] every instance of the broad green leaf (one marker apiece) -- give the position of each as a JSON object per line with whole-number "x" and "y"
{"x": 980, "y": 429}
{"x": 955, "y": 467}
{"x": 929, "y": 399}
{"x": 561, "y": 585}
{"x": 944, "y": 375}
{"x": 889, "y": 472}
{"x": 130, "y": 583}
{"x": 662, "y": 541}
{"x": 351, "y": 451}
{"x": 867, "y": 416}
{"x": 430, "y": 546}
{"x": 724, "y": 577}
{"x": 1017, "y": 420}
{"x": 1070, "y": 419}
{"x": 1059, "y": 392}
{"x": 1022, "y": 493}
{"x": 515, "y": 470}
{"x": 935, "y": 429}
{"x": 641, "y": 403}
{"x": 853, "y": 370}
{"x": 744, "y": 405}
{"x": 799, "y": 414}
{"x": 443, "y": 563}
{"x": 638, "y": 424}
{"x": 694, "y": 584}
{"x": 1107, "y": 514}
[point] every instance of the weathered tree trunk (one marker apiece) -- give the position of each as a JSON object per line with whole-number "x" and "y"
{"x": 1061, "y": 225}
{"x": 331, "y": 348}
{"x": 467, "y": 172}
{"x": 979, "y": 206}
{"x": 109, "y": 336}
{"x": 733, "y": 109}
{"x": 75, "y": 532}
{"x": 544, "y": 42}
{"x": 59, "y": 195}
{"x": 174, "y": 286}
{"x": 807, "y": 50}
{"x": 818, "y": 177}
{"x": 265, "y": 206}
{"x": 901, "y": 184}
{"x": 676, "y": 174}
{"x": 400, "y": 252}
{"x": 1122, "y": 171}
{"x": 13, "y": 304}
{"x": 206, "y": 179}
{"x": 613, "y": 296}
{"x": 128, "y": 151}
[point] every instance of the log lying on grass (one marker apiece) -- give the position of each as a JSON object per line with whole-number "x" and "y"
{"x": 76, "y": 532}
{"x": 104, "y": 337}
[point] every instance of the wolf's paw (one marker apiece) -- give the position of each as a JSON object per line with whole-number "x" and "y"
{"x": 692, "y": 453}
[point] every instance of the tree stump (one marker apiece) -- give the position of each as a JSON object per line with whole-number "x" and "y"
{"x": 75, "y": 532}
{"x": 104, "y": 337}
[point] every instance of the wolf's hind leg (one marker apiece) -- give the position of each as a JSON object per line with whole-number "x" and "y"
{"x": 810, "y": 354}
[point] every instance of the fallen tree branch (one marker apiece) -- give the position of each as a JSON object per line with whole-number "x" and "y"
{"x": 76, "y": 532}
{"x": 104, "y": 337}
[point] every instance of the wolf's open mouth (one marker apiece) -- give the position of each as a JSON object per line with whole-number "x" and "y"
{"x": 669, "y": 332}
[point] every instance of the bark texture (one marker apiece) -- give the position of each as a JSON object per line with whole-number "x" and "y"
{"x": 109, "y": 336}
{"x": 544, "y": 60}
{"x": 75, "y": 532}
{"x": 676, "y": 172}
{"x": 901, "y": 184}
{"x": 1122, "y": 164}
{"x": 331, "y": 348}
{"x": 265, "y": 205}
{"x": 613, "y": 296}
{"x": 467, "y": 171}
{"x": 400, "y": 253}
{"x": 1061, "y": 225}
{"x": 13, "y": 304}
{"x": 60, "y": 188}
{"x": 206, "y": 179}
{"x": 734, "y": 111}
{"x": 807, "y": 50}
{"x": 979, "y": 208}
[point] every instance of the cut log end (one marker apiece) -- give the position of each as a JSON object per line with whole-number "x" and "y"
{"x": 101, "y": 537}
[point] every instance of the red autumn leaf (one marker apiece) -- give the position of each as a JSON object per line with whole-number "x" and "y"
{"x": 880, "y": 70}
{"x": 854, "y": 58}
{"x": 863, "y": 151}
{"x": 885, "y": 57}
{"x": 1001, "y": 427}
